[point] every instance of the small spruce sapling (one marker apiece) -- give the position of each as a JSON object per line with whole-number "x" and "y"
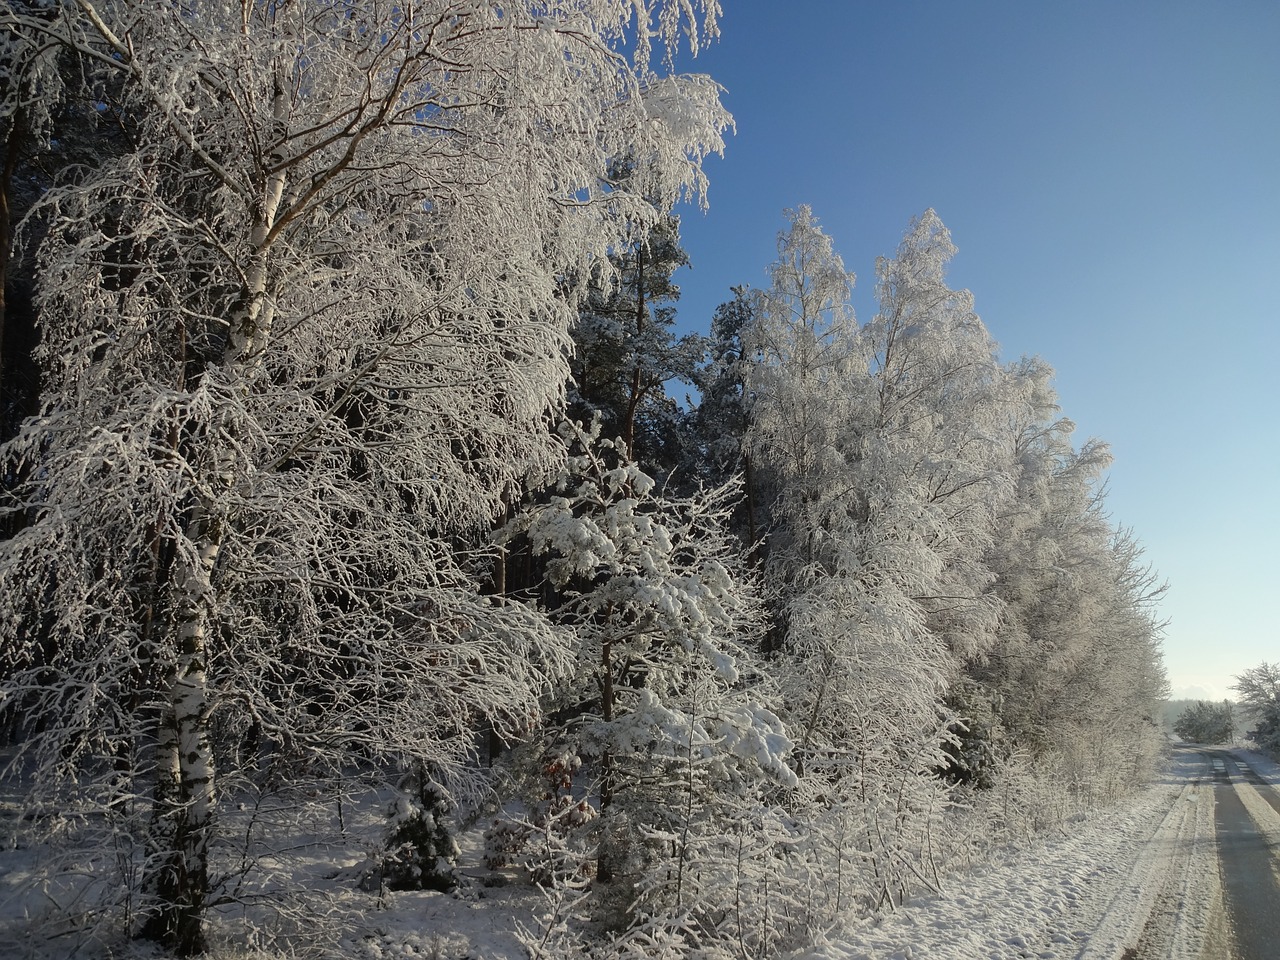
{"x": 420, "y": 852}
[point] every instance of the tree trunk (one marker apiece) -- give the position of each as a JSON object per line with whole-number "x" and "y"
{"x": 182, "y": 818}
{"x": 607, "y": 849}
{"x": 7, "y": 171}
{"x": 160, "y": 880}
{"x": 636, "y": 386}
{"x": 607, "y": 697}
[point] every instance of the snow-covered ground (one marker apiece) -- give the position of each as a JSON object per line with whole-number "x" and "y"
{"x": 1144, "y": 872}
{"x": 1087, "y": 892}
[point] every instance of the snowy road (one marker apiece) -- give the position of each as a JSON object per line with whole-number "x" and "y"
{"x": 1248, "y": 826}
{"x": 1187, "y": 871}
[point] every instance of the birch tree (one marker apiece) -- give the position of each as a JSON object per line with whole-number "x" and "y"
{"x": 1075, "y": 671}
{"x": 799, "y": 366}
{"x": 300, "y": 340}
{"x": 888, "y": 452}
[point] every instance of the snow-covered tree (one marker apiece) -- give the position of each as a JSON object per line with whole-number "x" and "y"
{"x": 626, "y": 351}
{"x": 938, "y": 453}
{"x": 888, "y": 453}
{"x": 1205, "y": 722}
{"x": 48, "y": 132}
{"x": 1045, "y": 556}
{"x": 800, "y": 360}
{"x": 720, "y": 419}
{"x": 666, "y": 706}
{"x": 1259, "y": 689}
{"x": 300, "y": 340}
{"x": 1075, "y": 675}
{"x": 24, "y": 116}
{"x": 716, "y": 450}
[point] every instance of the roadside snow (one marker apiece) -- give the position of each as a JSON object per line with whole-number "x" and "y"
{"x": 1262, "y": 765}
{"x": 1086, "y": 894}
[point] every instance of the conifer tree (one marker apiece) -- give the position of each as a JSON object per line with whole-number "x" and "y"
{"x": 667, "y": 707}
{"x": 626, "y": 351}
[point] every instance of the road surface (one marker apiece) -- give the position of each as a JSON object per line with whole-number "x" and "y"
{"x": 1242, "y": 919}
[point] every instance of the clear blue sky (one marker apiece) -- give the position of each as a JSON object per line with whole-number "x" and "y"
{"x": 1111, "y": 175}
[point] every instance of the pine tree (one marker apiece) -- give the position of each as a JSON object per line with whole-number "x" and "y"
{"x": 720, "y": 420}
{"x": 666, "y": 706}
{"x": 626, "y": 351}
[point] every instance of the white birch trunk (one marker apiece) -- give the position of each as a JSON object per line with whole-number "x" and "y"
{"x": 186, "y": 777}
{"x": 185, "y": 793}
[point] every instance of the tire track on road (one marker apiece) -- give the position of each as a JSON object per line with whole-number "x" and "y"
{"x": 1266, "y": 789}
{"x": 1186, "y": 920}
{"x": 1182, "y": 920}
{"x": 1248, "y": 825}
{"x": 1125, "y": 922}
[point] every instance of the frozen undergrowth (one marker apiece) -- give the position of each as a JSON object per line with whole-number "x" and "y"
{"x": 1080, "y": 886}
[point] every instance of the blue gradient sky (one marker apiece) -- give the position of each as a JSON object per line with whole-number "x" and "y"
{"x": 1111, "y": 175}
